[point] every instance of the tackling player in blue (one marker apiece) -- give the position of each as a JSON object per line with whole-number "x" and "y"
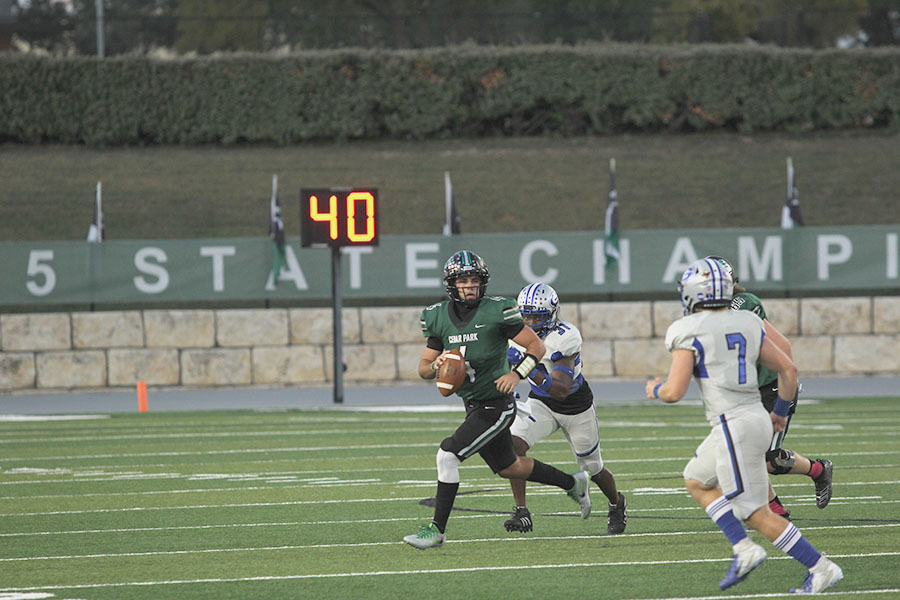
{"x": 560, "y": 398}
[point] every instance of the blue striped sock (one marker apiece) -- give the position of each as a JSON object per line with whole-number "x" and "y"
{"x": 792, "y": 542}
{"x": 720, "y": 512}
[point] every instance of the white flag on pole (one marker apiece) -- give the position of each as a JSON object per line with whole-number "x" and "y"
{"x": 451, "y": 218}
{"x": 790, "y": 212}
{"x": 95, "y": 232}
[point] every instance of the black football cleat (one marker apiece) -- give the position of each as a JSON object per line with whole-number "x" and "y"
{"x": 520, "y": 521}
{"x": 618, "y": 515}
{"x": 823, "y": 483}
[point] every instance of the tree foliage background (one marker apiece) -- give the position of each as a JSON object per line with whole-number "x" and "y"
{"x": 207, "y": 26}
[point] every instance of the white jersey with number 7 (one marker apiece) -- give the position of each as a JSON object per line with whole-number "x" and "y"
{"x": 726, "y": 346}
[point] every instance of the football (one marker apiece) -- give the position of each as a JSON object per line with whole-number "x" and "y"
{"x": 452, "y": 373}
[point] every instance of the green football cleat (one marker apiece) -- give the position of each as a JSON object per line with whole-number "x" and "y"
{"x": 428, "y": 537}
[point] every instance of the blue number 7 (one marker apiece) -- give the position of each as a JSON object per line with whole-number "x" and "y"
{"x": 738, "y": 339}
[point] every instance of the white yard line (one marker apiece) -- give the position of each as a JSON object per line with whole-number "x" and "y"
{"x": 394, "y": 543}
{"x": 415, "y": 572}
{"x": 363, "y": 447}
{"x": 678, "y": 491}
{"x": 336, "y": 481}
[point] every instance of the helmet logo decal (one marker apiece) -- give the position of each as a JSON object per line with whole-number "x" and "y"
{"x": 705, "y": 283}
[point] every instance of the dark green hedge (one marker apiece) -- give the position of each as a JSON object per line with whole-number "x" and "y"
{"x": 449, "y": 92}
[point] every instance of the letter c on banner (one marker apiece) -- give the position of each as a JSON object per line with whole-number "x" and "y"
{"x": 528, "y": 251}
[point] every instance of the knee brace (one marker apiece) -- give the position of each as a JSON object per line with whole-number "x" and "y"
{"x": 782, "y": 460}
{"x": 447, "y": 466}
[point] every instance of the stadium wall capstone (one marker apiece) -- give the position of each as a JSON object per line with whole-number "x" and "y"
{"x": 843, "y": 336}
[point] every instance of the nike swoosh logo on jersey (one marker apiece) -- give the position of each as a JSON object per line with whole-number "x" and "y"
{"x": 478, "y": 326}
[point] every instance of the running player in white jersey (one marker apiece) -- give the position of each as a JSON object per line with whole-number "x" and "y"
{"x": 727, "y": 476}
{"x": 781, "y": 461}
{"x": 560, "y": 398}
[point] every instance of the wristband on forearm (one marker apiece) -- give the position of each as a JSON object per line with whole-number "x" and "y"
{"x": 525, "y": 366}
{"x": 565, "y": 369}
{"x": 782, "y": 407}
{"x": 656, "y": 390}
{"x": 545, "y": 385}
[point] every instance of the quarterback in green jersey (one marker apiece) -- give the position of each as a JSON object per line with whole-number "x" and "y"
{"x": 781, "y": 461}
{"x": 480, "y": 327}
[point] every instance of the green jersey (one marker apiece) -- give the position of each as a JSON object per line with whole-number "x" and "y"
{"x": 751, "y": 302}
{"x": 482, "y": 341}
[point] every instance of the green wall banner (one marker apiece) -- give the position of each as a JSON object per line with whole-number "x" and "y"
{"x": 803, "y": 261}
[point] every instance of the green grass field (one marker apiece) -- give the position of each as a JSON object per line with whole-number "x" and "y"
{"x": 313, "y": 504}
{"x": 501, "y": 184}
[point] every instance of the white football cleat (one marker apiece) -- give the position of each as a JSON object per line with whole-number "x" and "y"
{"x": 744, "y": 562}
{"x": 822, "y": 576}
{"x": 581, "y": 492}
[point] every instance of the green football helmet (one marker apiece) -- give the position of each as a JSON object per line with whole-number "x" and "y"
{"x": 463, "y": 263}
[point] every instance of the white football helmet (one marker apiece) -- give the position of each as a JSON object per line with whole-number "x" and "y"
{"x": 706, "y": 283}
{"x": 540, "y": 301}
{"x": 725, "y": 265}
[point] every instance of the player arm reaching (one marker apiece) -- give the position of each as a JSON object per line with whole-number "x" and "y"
{"x": 534, "y": 352}
{"x": 778, "y": 338}
{"x": 676, "y": 384}
{"x": 774, "y": 358}
{"x": 559, "y": 379}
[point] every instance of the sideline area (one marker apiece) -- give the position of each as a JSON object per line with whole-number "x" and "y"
{"x": 424, "y": 396}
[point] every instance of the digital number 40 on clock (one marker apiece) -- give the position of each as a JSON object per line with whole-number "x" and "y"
{"x": 339, "y": 217}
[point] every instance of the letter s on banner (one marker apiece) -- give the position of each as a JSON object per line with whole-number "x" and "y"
{"x": 142, "y": 262}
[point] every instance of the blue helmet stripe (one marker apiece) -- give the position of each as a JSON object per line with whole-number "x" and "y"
{"x": 716, "y": 271}
{"x": 529, "y": 294}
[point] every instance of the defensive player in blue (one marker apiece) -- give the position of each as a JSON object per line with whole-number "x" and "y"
{"x": 727, "y": 476}
{"x": 480, "y": 327}
{"x": 560, "y": 398}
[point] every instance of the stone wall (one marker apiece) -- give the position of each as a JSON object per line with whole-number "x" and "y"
{"x": 830, "y": 336}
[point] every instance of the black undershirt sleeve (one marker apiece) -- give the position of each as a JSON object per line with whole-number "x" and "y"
{"x": 511, "y": 331}
{"x": 435, "y": 343}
